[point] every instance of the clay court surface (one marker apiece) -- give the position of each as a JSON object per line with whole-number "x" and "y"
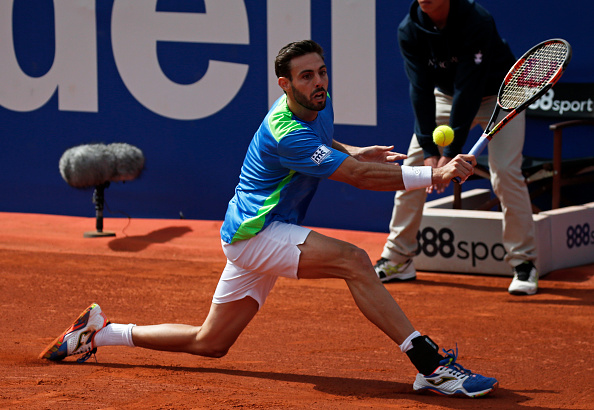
{"x": 308, "y": 348}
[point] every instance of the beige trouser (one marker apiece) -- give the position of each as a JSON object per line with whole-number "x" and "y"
{"x": 505, "y": 161}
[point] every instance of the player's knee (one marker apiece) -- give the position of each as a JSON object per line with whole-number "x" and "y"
{"x": 209, "y": 346}
{"x": 357, "y": 263}
{"x": 216, "y": 353}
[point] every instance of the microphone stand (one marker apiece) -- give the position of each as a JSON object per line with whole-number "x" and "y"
{"x": 99, "y": 200}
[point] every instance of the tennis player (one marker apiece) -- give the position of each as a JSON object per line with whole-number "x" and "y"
{"x": 262, "y": 238}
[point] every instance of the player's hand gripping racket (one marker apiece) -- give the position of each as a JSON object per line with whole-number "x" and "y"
{"x": 528, "y": 80}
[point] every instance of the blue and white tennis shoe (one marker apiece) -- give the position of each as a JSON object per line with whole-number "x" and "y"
{"x": 450, "y": 378}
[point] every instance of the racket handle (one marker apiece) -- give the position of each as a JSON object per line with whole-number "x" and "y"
{"x": 476, "y": 150}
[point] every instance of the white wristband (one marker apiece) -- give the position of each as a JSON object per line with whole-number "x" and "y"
{"x": 416, "y": 177}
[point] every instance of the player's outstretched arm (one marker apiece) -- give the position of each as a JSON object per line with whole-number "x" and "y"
{"x": 375, "y": 176}
{"x": 372, "y": 176}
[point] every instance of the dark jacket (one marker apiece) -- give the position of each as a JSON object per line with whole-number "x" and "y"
{"x": 466, "y": 60}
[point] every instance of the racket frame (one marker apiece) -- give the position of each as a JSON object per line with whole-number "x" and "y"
{"x": 493, "y": 128}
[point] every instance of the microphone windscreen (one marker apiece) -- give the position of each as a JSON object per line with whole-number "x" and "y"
{"x": 86, "y": 166}
{"x": 129, "y": 161}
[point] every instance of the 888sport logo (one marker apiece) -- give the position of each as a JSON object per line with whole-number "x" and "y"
{"x": 443, "y": 243}
{"x": 579, "y": 235}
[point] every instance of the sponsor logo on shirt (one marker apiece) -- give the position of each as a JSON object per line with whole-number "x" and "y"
{"x": 321, "y": 153}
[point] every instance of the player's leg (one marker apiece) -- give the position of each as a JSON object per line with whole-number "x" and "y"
{"x": 326, "y": 257}
{"x": 238, "y": 296}
{"x": 92, "y": 329}
{"x": 241, "y": 290}
{"x": 218, "y": 333}
{"x": 250, "y": 274}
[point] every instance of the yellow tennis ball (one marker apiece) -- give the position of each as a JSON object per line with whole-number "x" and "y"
{"x": 443, "y": 135}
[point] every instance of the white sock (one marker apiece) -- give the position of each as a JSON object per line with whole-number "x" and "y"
{"x": 115, "y": 335}
{"x": 407, "y": 344}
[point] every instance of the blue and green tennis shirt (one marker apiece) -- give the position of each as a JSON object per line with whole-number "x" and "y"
{"x": 281, "y": 171}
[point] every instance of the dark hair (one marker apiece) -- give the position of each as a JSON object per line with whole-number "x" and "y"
{"x": 282, "y": 63}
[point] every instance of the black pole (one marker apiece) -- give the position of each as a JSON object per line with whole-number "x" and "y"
{"x": 99, "y": 201}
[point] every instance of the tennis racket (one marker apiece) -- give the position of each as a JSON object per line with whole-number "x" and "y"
{"x": 528, "y": 80}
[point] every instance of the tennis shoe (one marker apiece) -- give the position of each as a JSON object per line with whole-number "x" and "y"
{"x": 79, "y": 337}
{"x": 389, "y": 271}
{"x": 525, "y": 281}
{"x": 450, "y": 378}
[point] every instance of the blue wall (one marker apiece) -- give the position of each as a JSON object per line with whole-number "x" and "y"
{"x": 192, "y": 163}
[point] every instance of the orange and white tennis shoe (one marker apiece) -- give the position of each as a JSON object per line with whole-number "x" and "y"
{"x": 79, "y": 337}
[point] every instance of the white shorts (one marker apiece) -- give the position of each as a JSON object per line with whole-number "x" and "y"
{"x": 253, "y": 265}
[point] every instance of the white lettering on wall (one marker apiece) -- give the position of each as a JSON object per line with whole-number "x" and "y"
{"x": 136, "y": 28}
{"x": 287, "y": 21}
{"x": 73, "y": 72}
{"x": 353, "y": 77}
{"x": 354, "y": 85}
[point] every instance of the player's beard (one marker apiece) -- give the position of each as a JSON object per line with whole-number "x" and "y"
{"x": 308, "y": 103}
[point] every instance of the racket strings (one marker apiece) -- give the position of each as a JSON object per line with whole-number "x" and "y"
{"x": 533, "y": 74}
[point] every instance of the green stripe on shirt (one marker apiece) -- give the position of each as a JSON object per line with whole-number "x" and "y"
{"x": 250, "y": 227}
{"x": 281, "y": 121}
